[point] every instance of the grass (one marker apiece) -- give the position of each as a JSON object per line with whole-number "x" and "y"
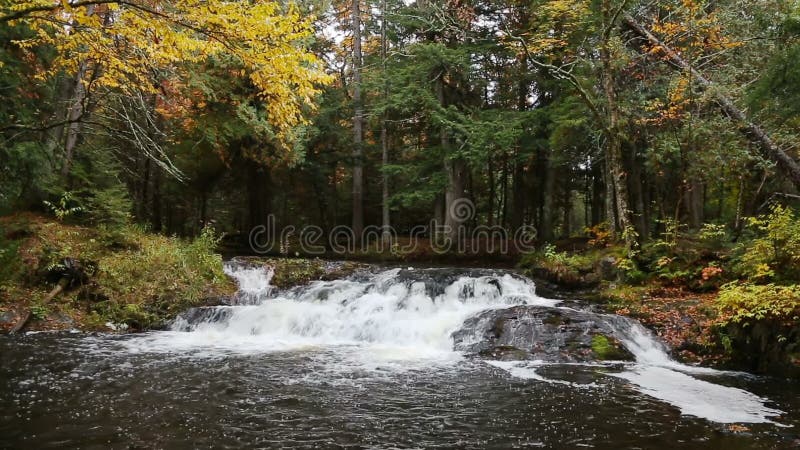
{"x": 127, "y": 276}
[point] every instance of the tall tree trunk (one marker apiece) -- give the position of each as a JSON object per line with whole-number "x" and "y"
{"x": 54, "y": 136}
{"x": 438, "y": 212}
{"x": 614, "y": 157}
{"x": 456, "y": 171}
{"x": 754, "y": 132}
{"x": 384, "y": 133}
{"x": 694, "y": 204}
{"x": 145, "y": 191}
{"x": 259, "y": 195}
{"x": 74, "y": 114}
{"x": 566, "y": 226}
{"x": 636, "y": 185}
{"x": 610, "y": 200}
{"x": 547, "y": 225}
{"x": 598, "y": 198}
{"x": 504, "y": 190}
{"x": 518, "y": 197}
{"x": 78, "y": 107}
{"x": 492, "y": 193}
{"x": 358, "y": 119}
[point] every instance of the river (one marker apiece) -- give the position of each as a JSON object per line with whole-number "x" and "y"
{"x": 369, "y": 361}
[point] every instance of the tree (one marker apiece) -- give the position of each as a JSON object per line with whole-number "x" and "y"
{"x": 127, "y": 45}
{"x": 358, "y": 123}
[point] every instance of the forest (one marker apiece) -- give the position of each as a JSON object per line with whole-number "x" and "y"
{"x": 397, "y": 223}
{"x": 563, "y": 114}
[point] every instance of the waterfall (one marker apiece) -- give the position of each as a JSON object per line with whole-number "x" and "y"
{"x": 657, "y": 375}
{"x": 407, "y": 318}
{"x": 253, "y": 281}
{"x": 416, "y": 310}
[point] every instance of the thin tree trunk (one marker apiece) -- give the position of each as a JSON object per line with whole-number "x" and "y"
{"x": 384, "y": 132}
{"x": 546, "y": 230}
{"x": 145, "y": 189}
{"x": 504, "y": 189}
{"x": 597, "y": 193}
{"x": 155, "y": 217}
{"x": 358, "y": 168}
{"x": 54, "y": 136}
{"x": 76, "y": 111}
{"x": 492, "y": 193}
{"x": 614, "y": 143}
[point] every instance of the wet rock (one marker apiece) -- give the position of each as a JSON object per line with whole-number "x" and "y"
{"x": 8, "y": 319}
{"x": 189, "y": 319}
{"x": 540, "y": 333}
{"x": 60, "y": 320}
{"x": 607, "y": 268}
{"x": 765, "y": 346}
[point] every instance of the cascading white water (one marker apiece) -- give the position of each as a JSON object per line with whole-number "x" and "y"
{"x": 384, "y": 316}
{"x": 405, "y": 320}
{"x": 656, "y": 374}
{"x": 253, "y": 281}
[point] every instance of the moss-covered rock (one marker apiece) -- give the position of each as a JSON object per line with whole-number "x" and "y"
{"x": 608, "y": 348}
{"x": 541, "y": 333}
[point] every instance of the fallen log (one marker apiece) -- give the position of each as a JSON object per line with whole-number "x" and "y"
{"x": 754, "y": 132}
{"x": 26, "y": 317}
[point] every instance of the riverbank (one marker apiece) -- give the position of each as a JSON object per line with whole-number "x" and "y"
{"x": 57, "y": 275}
{"x": 716, "y": 303}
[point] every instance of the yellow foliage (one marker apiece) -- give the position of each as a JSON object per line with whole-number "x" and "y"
{"x": 121, "y": 45}
{"x": 555, "y": 24}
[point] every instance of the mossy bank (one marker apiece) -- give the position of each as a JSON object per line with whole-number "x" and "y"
{"x": 56, "y": 275}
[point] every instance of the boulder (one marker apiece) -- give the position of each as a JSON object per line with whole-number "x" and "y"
{"x": 550, "y": 334}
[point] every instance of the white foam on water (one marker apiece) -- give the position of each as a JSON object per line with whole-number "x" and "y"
{"x": 661, "y": 377}
{"x": 388, "y": 321}
{"x": 657, "y": 375}
{"x": 699, "y": 398}
{"x": 527, "y": 370}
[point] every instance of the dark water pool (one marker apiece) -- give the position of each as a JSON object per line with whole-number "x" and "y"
{"x": 79, "y": 391}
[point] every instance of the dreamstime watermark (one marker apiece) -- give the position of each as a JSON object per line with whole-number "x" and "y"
{"x": 454, "y": 234}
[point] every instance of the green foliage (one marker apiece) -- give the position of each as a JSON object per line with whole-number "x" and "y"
{"x": 39, "y": 311}
{"x": 158, "y": 277}
{"x": 25, "y": 174}
{"x": 772, "y": 251}
{"x": 559, "y": 266}
{"x": 65, "y": 206}
{"x": 714, "y": 236}
{"x": 747, "y": 302}
{"x": 10, "y": 265}
{"x": 109, "y": 207}
{"x": 133, "y": 277}
{"x": 630, "y": 270}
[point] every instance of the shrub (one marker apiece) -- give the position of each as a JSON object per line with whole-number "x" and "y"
{"x": 773, "y": 252}
{"x": 714, "y": 236}
{"x": 158, "y": 277}
{"x": 600, "y": 235}
{"x": 559, "y": 266}
{"x": 745, "y": 302}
